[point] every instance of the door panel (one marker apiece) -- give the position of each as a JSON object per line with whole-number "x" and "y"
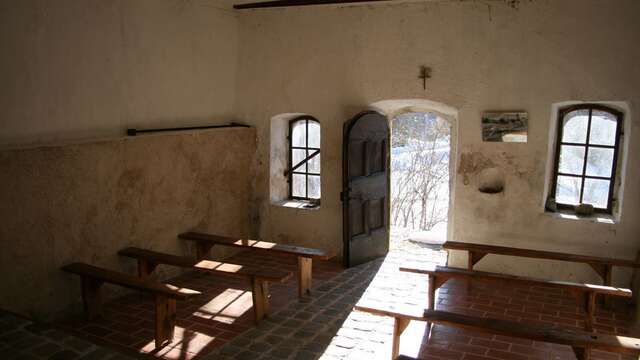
{"x": 365, "y": 188}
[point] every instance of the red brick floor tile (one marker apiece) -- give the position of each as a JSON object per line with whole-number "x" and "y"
{"x": 491, "y": 344}
{"x": 506, "y": 355}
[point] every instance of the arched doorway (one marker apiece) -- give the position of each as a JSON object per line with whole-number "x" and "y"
{"x": 420, "y": 156}
{"x": 434, "y": 143}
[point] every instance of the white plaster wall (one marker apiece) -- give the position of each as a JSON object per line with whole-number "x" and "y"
{"x": 332, "y": 61}
{"x": 78, "y": 69}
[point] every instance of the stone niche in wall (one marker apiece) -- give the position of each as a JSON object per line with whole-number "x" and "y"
{"x": 85, "y": 201}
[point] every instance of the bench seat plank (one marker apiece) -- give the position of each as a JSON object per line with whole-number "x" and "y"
{"x": 129, "y": 281}
{"x": 256, "y": 244}
{"x": 539, "y": 254}
{"x": 274, "y": 275}
{"x": 438, "y": 275}
{"x": 204, "y": 242}
{"x": 473, "y": 274}
{"x": 258, "y": 276}
{"x": 92, "y": 278}
{"x": 580, "y": 341}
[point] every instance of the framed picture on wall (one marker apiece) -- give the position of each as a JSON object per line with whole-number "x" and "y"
{"x": 505, "y": 126}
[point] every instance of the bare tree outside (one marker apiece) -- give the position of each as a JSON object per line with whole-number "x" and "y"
{"x": 420, "y": 150}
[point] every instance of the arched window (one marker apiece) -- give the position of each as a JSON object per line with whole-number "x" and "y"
{"x": 304, "y": 158}
{"x": 586, "y": 156}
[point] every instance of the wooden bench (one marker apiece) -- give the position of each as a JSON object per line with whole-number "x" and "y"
{"x": 204, "y": 243}
{"x": 439, "y": 275}
{"x": 93, "y": 277}
{"x": 581, "y": 342}
{"x": 602, "y": 266}
{"x": 258, "y": 276}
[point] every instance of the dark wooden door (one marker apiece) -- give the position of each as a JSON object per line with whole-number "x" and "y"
{"x": 365, "y": 188}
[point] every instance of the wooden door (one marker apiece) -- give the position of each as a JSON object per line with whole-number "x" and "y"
{"x": 365, "y": 188}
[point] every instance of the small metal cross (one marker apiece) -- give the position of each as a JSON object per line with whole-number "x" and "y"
{"x": 425, "y": 73}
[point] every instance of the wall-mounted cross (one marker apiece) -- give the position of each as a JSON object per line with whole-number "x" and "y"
{"x": 425, "y": 73}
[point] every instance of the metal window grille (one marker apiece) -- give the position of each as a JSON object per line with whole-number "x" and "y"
{"x": 300, "y": 167}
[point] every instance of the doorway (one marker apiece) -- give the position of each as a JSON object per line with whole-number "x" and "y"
{"x": 420, "y": 171}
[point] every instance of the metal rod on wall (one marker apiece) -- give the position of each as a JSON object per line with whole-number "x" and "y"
{"x": 134, "y": 132}
{"x": 289, "y": 3}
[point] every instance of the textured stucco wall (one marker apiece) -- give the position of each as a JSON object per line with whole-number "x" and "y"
{"x": 78, "y": 69}
{"x": 83, "y": 202}
{"x": 333, "y": 61}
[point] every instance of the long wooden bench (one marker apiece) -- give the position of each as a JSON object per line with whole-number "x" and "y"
{"x": 258, "y": 276}
{"x": 93, "y": 277}
{"x": 439, "y": 275}
{"x": 581, "y": 342}
{"x": 204, "y": 243}
{"x": 602, "y": 266}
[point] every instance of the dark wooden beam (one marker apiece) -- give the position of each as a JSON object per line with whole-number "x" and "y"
{"x": 290, "y": 3}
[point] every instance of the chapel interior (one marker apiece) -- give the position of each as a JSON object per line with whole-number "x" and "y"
{"x": 320, "y": 179}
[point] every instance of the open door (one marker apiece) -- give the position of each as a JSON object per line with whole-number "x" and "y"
{"x": 365, "y": 188}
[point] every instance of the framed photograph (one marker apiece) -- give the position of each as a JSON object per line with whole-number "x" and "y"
{"x": 504, "y": 126}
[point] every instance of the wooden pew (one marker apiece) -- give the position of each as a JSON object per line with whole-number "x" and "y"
{"x": 441, "y": 274}
{"x": 602, "y": 266}
{"x": 258, "y": 276}
{"x": 93, "y": 277}
{"x": 204, "y": 243}
{"x": 581, "y": 342}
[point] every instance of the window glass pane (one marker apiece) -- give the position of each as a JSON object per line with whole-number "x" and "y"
{"x": 603, "y": 128}
{"x": 314, "y": 134}
{"x": 299, "y": 133}
{"x": 574, "y": 126}
{"x": 314, "y": 163}
{"x": 596, "y": 193}
{"x": 299, "y": 155}
{"x": 568, "y": 190}
{"x": 314, "y": 187}
{"x": 571, "y": 159}
{"x": 599, "y": 162}
{"x": 299, "y": 185}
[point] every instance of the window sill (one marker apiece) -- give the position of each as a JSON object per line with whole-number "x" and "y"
{"x": 596, "y": 218}
{"x": 297, "y": 204}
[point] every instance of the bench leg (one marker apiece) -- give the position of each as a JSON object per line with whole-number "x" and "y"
{"x": 399, "y": 325}
{"x": 260, "y": 293}
{"x": 431, "y": 301}
{"x": 608, "y": 272}
{"x": 145, "y": 268}
{"x": 202, "y": 250}
{"x": 590, "y": 308}
{"x": 605, "y": 272}
{"x": 582, "y": 353}
{"x": 304, "y": 276}
{"x": 91, "y": 297}
{"x": 165, "y": 319}
{"x": 473, "y": 258}
{"x": 431, "y": 292}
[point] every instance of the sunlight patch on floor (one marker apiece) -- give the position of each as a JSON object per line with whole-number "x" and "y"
{"x": 226, "y": 307}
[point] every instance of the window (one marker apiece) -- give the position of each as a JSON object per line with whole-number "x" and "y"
{"x": 304, "y": 158}
{"x": 586, "y": 157}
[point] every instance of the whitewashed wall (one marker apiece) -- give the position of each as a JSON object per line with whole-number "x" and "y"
{"x": 333, "y": 61}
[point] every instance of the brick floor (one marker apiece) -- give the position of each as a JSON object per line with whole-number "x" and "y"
{"x": 219, "y": 325}
{"x": 23, "y": 339}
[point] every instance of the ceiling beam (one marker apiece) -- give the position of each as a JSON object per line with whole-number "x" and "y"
{"x": 290, "y": 3}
